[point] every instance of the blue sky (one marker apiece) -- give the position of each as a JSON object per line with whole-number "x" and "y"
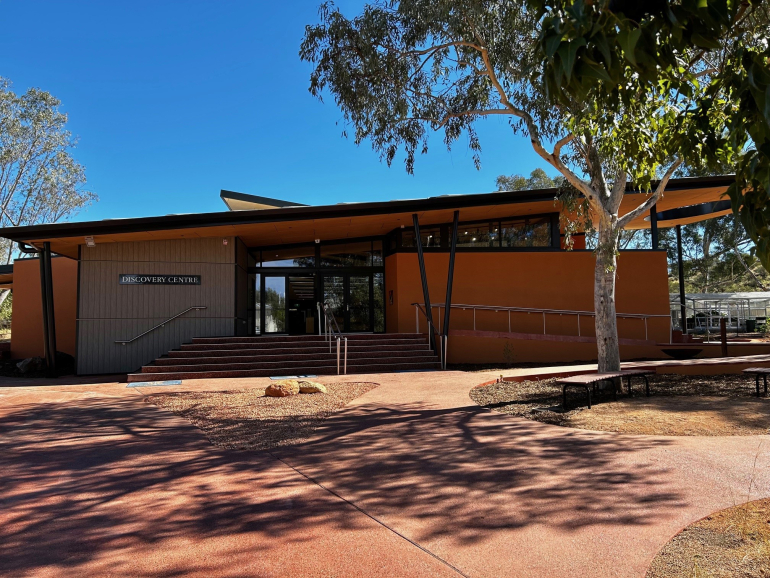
{"x": 173, "y": 101}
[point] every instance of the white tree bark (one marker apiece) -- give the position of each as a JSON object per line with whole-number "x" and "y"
{"x": 606, "y": 321}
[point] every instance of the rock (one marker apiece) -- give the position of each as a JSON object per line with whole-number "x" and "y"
{"x": 283, "y": 388}
{"x": 30, "y": 364}
{"x": 311, "y": 387}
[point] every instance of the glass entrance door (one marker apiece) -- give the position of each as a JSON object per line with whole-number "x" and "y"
{"x": 301, "y": 305}
{"x": 358, "y": 303}
{"x": 349, "y": 298}
{"x": 334, "y": 298}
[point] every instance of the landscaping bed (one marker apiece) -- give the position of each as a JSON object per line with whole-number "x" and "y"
{"x": 710, "y": 405}
{"x": 730, "y": 543}
{"x": 245, "y": 419}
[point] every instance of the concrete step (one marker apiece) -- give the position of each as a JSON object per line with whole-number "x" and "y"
{"x": 307, "y": 338}
{"x": 237, "y": 357}
{"x": 353, "y": 348}
{"x": 283, "y": 365}
{"x": 321, "y": 370}
{"x": 296, "y": 345}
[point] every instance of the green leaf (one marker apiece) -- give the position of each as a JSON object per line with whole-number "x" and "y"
{"x": 551, "y": 45}
{"x": 628, "y": 40}
{"x": 703, "y": 42}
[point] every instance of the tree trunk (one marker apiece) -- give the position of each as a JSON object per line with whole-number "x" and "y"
{"x": 4, "y": 295}
{"x": 604, "y": 299}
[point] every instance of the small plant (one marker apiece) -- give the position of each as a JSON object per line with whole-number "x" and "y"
{"x": 508, "y": 353}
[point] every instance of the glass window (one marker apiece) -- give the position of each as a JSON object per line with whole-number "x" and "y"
{"x": 347, "y": 255}
{"x": 478, "y": 235}
{"x": 431, "y": 237}
{"x": 377, "y": 253}
{"x": 255, "y": 304}
{"x": 293, "y": 257}
{"x": 527, "y": 232}
{"x": 358, "y": 303}
{"x": 334, "y": 299}
{"x": 275, "y": 304}
{"x": 379, "y": 303}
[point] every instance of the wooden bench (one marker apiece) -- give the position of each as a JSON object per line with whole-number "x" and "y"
{"x": 590, "y": 380}
{"x": 757, "y": 371}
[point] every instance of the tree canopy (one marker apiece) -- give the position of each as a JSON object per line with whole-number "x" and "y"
{"x": 579, "y": 79}
{"x": 701, "y": 67}
{"x": 537, "y": 179}
{"x": 40, "y": 181}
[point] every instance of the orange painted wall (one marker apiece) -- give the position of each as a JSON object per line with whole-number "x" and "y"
{"x": 548, "y": 280}
{"x": 27, "y": 321}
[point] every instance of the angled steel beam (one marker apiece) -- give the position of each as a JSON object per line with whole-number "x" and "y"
{"x": 424, "y": 279}
{"x": 680, "y": 263}
{"x": 450, "y": 276}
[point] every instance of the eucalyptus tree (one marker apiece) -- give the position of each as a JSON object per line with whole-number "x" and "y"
{"x": 537, "y": 179}
{"x": 704, "y": 65}
{"x": 40, "y": 181}
{"x": 403, "y": 69}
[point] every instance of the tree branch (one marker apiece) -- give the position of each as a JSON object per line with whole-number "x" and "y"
{"x": 647, "y": 205}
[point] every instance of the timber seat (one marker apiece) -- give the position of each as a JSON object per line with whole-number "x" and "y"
{"x": 757, "y": 371}
{"x": 591, "y": 381}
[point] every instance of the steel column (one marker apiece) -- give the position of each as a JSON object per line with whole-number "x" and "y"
{"x": 450, "y": 276}
{"x": 48, "y": 310}
{"x": 680, "y": 263}
{"x": 44, "y": 303}
{"x": 424, "y": 279}
{"x": 654, "y": 226}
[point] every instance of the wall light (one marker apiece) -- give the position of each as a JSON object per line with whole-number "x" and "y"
{"x": 90, "y": 242}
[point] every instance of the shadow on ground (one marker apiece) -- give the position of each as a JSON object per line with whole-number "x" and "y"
{"x": 120, "y": 484}
{"x": 466, "y": 473}
{"x": 98, "y": 481}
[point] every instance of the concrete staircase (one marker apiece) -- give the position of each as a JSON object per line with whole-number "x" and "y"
{"x": 215, "y": 357}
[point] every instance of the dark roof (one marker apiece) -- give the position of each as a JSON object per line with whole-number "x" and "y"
{"x": 301, "y": 213}
{"x": 6, "y": 269}
{"x": 255, "y": 199}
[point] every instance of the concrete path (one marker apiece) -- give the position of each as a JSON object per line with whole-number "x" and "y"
{"x": 411, "y": 479}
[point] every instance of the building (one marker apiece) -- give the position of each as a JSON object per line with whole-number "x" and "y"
{"x": 127, "y": 291}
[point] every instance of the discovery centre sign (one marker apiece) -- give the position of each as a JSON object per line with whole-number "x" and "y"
{"x": 137, "y": 279}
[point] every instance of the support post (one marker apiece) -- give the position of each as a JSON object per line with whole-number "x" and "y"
{"x": 48, "y": 309}
{"x": 44, "y": 305}
{"x": 723, "y": 335}
{"x": 654, "y": 227}
{"x": 680, "y": 264}
{"x": 424, "y": 279}
{"x": 451, "y": 275}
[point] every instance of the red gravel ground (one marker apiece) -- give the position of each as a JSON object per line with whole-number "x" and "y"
{"x": 411, "y": 479}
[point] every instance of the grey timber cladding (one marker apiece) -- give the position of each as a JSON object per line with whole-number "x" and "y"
{"x": 109, "y": 312}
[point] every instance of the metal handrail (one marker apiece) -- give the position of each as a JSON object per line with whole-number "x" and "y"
{"x": 330, "y": 333}
{"x": 197, "y": 307}
{"x": 543, "y": 312}
{"x": 442, "y": 339}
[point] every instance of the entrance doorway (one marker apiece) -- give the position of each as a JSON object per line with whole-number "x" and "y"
{"x": 355, "y": 301}
{"x": 289, "y": 304}
{"x": 289, "y": 283}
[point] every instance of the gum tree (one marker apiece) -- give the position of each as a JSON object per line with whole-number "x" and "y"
{"x": 40, "y": 181}
{"x": 404, "y": 69}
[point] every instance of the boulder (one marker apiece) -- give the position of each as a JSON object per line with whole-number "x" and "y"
{"x": 311, "y": 387}
{"x": 283, "y": 388}
{"x": 31, "y": 364}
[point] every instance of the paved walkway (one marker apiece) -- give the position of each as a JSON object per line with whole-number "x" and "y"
{"x": 411, "y": 479}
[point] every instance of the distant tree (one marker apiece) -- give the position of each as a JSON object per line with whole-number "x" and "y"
{"x": 40, "y": 181}
{"x": 538, "y": 179}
